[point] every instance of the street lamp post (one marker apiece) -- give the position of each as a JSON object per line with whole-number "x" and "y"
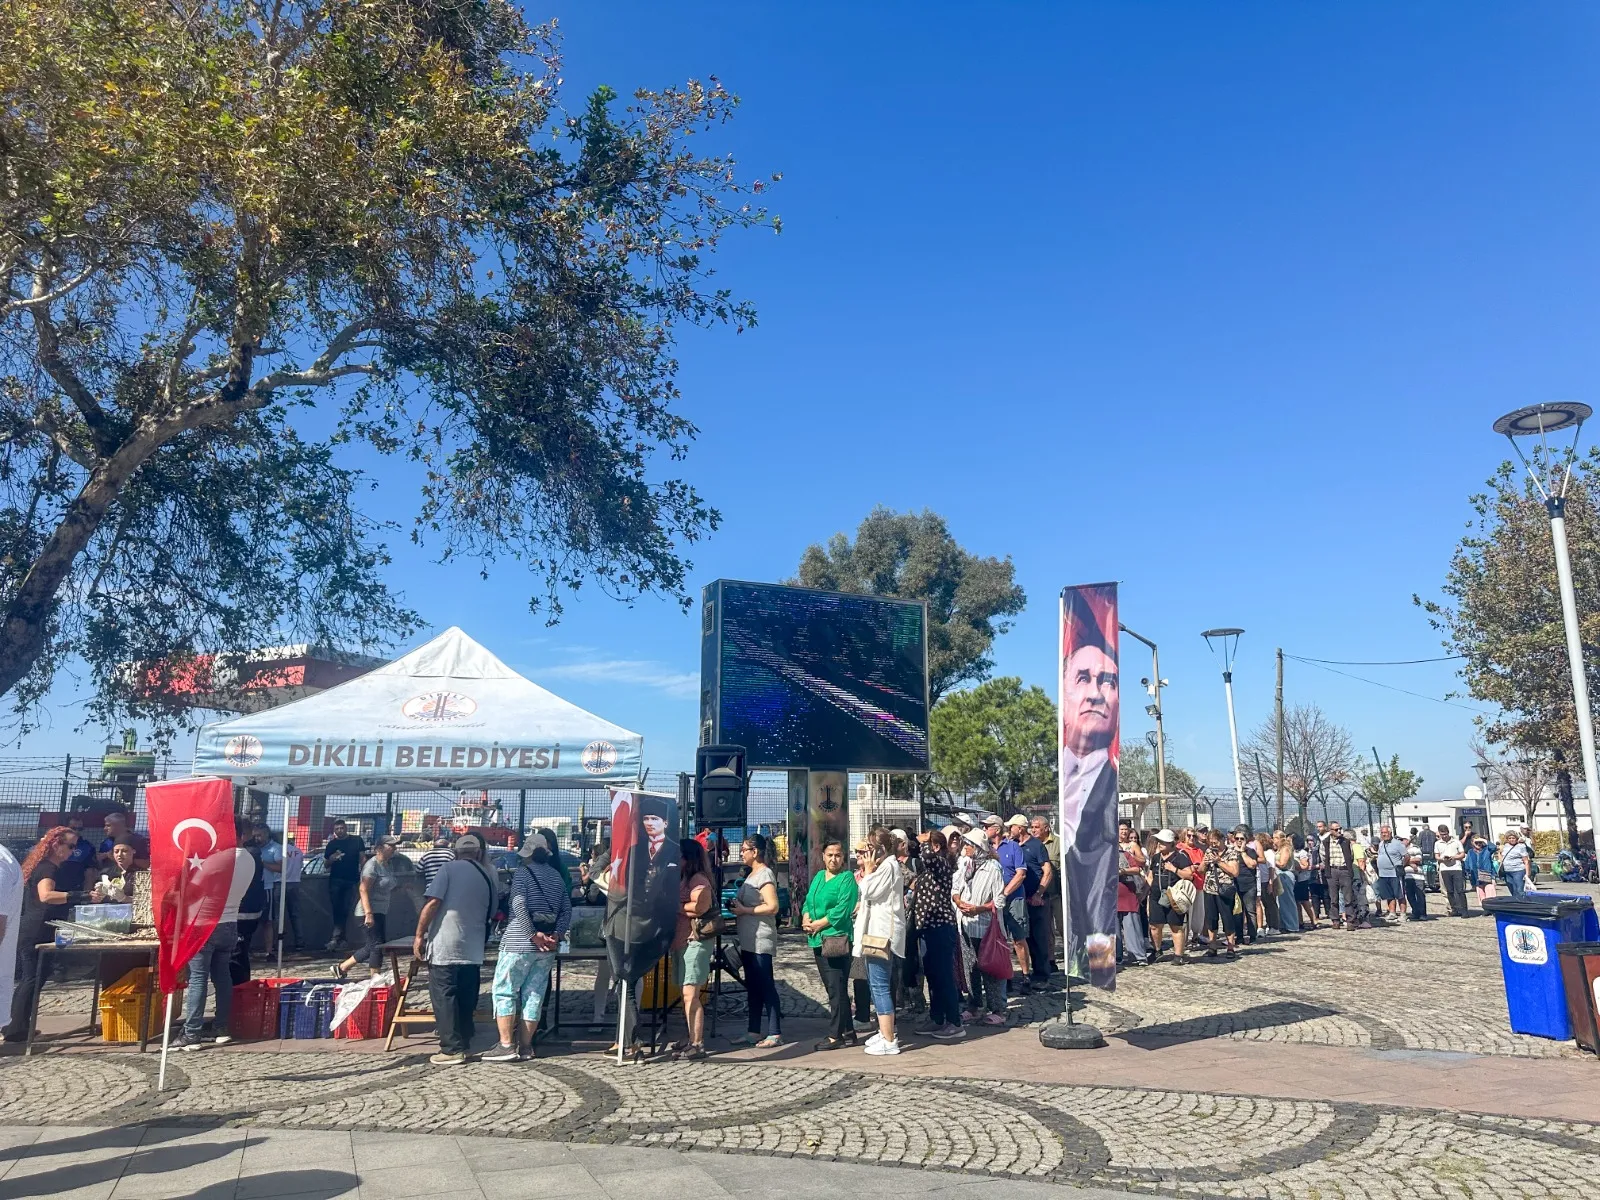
{"x": 1153, "y": 686}
{"x": 1542, "y": 419}
{"x": 1229, "y": 638}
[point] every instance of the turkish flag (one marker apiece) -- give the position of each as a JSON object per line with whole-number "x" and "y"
{"x": 192, "y": 866}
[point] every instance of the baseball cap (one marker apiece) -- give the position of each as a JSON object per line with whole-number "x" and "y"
{"x": 1166, "y": 835}
{"x": 1017, "y": 819}
{"x": 991, "y": 822}
{"x": 901, "y": 834}
{"x": 390, "y": 840}
{"x": 952, "y": 831}
{"x": 468, "y": 841}
{"x": 977, "y": 839}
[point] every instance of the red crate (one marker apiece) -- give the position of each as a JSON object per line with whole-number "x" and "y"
{"x": 371, "y": 1017}
{"x": 255, "y": 1009}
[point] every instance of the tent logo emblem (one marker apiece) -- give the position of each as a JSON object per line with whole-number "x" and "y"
{"x": 439, "y": 706}
{"x": 242, "y": 751}
{"x": 599, "y": 757}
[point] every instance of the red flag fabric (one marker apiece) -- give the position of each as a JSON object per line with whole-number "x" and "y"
{"x": 191, "y": 866}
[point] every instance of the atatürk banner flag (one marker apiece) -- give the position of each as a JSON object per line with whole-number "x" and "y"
{"x": 192, "y": 866}
{"x": 1090, "y": 711}
{"x": 642, "y": 895}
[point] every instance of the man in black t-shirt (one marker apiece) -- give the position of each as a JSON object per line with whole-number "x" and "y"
{"x": 344, "y": 853}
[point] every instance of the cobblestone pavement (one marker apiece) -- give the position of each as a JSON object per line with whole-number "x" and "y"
{"x": 1432, "y": 986}
{"x": 1115, "y": 1138}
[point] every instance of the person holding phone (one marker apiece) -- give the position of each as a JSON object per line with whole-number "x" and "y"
{"x": 880, "y": 933}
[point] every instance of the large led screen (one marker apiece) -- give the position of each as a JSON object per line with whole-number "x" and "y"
{"x": 823, "y": 680}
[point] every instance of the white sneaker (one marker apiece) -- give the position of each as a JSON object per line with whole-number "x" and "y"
{"x": 873, "y": 1040}
{"x": 223, "y": 1039}
{"x": 882, "y": 1047}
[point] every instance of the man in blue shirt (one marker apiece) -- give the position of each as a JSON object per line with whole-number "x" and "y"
{"x": 1014, "y": 877}
{"x": 70, "y": 874}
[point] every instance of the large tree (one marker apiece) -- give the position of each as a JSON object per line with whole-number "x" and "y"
{"x": 1502, "y": 614}
{"x": 997, "y": 739}
{"x": 236, "y": 235}
{"x": 1318, "y": 754}
{"x": 912, "y": 556}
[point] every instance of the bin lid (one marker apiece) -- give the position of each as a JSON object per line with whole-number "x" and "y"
{"x": 1579, "y": 949}
{"x": 1550, "y": 905}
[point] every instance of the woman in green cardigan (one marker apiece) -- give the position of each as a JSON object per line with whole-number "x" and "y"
{"x": 828, "y": 918}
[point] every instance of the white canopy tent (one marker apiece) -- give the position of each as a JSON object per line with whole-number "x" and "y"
{"x": 447, "y": 716}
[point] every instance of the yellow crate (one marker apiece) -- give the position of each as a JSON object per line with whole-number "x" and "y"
{"x": 651, "y": 992}
{"x": 119, "y": 1014}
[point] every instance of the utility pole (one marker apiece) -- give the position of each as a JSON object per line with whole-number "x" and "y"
{"x": 1153, "y": 686}
{"x": 1278, "y": 722}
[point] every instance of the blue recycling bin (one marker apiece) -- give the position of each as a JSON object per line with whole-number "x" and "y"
{"x": 1529, "y": 929}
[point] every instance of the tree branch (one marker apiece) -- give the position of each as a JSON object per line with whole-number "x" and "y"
{"x": 45, "y": 299}
{"x": 67, "y": 380}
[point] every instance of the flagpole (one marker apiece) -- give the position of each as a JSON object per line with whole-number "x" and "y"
{"x": 166, "y": 1039}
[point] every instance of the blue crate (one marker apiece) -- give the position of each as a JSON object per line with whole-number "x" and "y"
{"x": 305, "y": 1011}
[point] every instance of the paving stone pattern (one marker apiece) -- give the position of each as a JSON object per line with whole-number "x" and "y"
{"x": 1128, "y": 1139}
{"x": 1433, "y": 986}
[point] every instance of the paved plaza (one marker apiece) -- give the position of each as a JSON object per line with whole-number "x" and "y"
{"x": 1367, "y": 1064}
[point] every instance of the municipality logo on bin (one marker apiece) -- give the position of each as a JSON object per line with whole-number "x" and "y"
{"x": 1525, "y": 944}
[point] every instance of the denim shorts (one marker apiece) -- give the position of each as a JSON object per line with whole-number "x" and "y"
{"x": 1017, "y": 916}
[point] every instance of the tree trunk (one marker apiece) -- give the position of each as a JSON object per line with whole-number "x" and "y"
{"x": 1564, "y": 796}
{"x": 25, "y": 622}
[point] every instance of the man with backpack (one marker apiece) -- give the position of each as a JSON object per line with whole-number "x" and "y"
{"x": 451, "y": 931}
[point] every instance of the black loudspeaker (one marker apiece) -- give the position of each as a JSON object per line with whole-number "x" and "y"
{"x": 721, "y": 786}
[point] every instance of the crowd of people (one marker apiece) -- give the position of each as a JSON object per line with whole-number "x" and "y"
{"x": 894, "y": 927}
{"x": 1210, "y": 890}
{"x": 69, "y": 865}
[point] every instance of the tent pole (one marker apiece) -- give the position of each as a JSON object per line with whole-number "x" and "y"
{"x": 283, "y": 883}
{"x": 522, "y": 815}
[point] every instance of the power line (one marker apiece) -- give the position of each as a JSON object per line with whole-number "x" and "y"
{"x": 1396, "y": 662}
{"x": 1312, "y": 662}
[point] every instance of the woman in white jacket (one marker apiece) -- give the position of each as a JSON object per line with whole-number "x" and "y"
{"x": 880, "y": 931}
{"x": 977, "y": 890}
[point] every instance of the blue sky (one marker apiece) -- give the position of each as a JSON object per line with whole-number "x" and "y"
{"x": 1215, "y": 300}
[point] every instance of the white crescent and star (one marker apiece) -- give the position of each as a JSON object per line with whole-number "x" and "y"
{"x": 194, "y": 823}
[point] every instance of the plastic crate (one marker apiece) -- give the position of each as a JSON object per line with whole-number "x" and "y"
{"x": 254, "y": 1015}
{"x": 119, "y": 1013}
{"x": 305, "y": 1008}
{"x": 371, "y": 1017}
{"x": 314, "y": 1014}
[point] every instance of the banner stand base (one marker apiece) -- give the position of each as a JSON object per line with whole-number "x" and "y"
{"x": 1060, "y": 1035}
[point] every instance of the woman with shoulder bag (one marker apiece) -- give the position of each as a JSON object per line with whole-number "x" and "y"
{"x": 880, "y": 933}
{"x": 976, "y": 892}
{"x": 1131, "y": 890}
{"x": 829, "y": 911}
{"x": 935, "y": 917}
{"x": 1223, "y": 862}
{"x": 691, "y": 944}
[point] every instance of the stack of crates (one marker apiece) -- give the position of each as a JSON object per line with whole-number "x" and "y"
{"x": 119, "y": 1007}
{"x": 371, "y": 1017}
{"x": 255, "y": 1008}
{"x": 305, "y": 1009}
